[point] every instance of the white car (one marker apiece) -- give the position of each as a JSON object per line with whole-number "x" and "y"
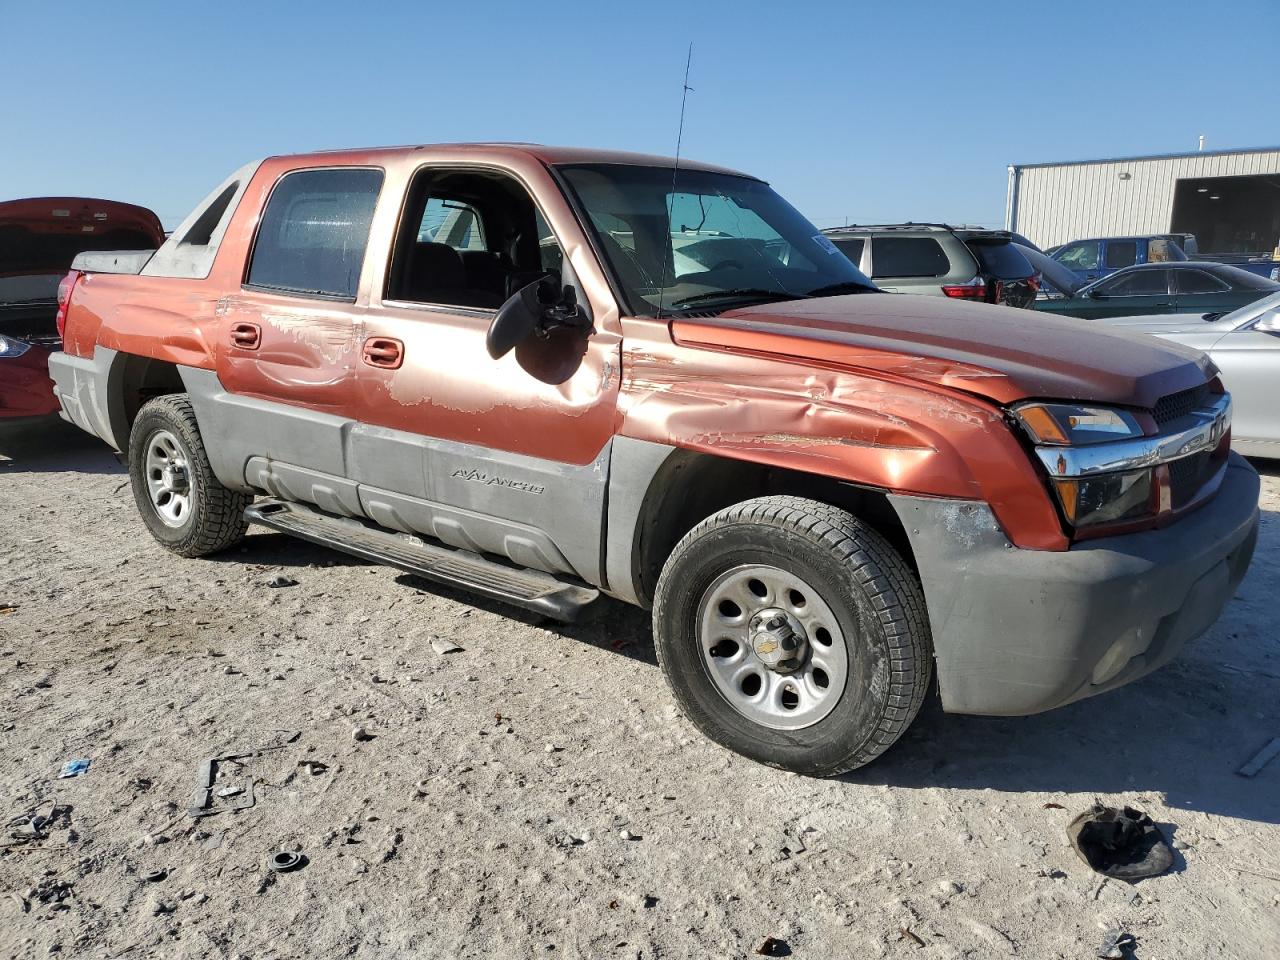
{"x": 1245, "y": 344}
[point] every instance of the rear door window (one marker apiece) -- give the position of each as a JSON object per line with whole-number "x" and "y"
{"x": 908, "y": 257}
{"x": 1197, "y": 281}
{"x": 1002, "y": 260}
{"x": 1121, "y": 253}
{"x": 1079, "y": 256}
{"x": 1137, "y": 283}
{"x": 314, "y": 231}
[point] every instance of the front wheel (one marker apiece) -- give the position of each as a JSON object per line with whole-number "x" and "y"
{"x": 182, "y": 503}
{"x": 793, "y": 633}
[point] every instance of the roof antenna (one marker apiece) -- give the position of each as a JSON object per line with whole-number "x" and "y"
{"x": 671, "y": 201}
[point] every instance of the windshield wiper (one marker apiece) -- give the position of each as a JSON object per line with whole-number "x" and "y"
{"x": 737, "y": 293}
{"x": 845, "y": 286}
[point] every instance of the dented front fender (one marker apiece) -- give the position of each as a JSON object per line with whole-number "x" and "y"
{"x": 878, "y": 429}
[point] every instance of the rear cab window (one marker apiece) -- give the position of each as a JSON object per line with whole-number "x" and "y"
{"x": 1121, "y": 253}
{"x": 908, "y": 257}
{"x": 314, "y": 231}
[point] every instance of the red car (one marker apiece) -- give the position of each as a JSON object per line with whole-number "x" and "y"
{"x": 38, "y": 240}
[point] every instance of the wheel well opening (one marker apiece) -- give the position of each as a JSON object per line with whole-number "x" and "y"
{"x": 144, "y": 379}
{"x": 692, "y": 486}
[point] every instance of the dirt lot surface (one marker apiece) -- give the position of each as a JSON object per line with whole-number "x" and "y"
{"x": 534, "y": 794}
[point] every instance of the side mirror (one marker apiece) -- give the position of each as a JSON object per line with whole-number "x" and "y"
{"x": 540, "y": 308}
{"x": 1269, "y": 323}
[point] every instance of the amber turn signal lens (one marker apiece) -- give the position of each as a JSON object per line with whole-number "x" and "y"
{"x": 1042, "y": 425}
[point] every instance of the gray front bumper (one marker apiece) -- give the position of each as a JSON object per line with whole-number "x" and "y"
{"x": 1022, "y": 631}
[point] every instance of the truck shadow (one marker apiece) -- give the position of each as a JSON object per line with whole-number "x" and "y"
{"x": 271, "y": 548}
{"x": 1268, "y": 468}
{"x": 1142, "y": 740}
{"x": 606, "y": 624}
{"x": 54, "y": 446}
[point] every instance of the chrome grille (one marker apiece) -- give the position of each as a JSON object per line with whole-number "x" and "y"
{"x": 1178, "y": 405}
{"x": 1187, "y": 476}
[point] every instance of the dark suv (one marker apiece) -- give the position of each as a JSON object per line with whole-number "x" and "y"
{"x": 960, "y": 262}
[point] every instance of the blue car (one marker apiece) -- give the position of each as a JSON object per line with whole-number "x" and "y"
{"x": 1098, "y": 257}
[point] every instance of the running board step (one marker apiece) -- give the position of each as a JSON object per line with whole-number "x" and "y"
{"x": 530, "y": 589}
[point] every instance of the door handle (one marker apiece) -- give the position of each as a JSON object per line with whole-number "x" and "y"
{"x": 386, "y": 353}
{"x": 246, "y": 336}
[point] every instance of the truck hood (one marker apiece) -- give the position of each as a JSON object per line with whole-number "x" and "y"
{"x": 1001, "y": 353}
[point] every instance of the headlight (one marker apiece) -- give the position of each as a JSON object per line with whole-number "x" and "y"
{"x": 1072, "y": 425}
{"x": 1106, "y": 498}
{"x": 10, "y": 347}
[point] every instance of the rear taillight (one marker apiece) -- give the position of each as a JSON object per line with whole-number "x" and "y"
{"x": 65, "y": 286}
{"x": 975, "y": 289}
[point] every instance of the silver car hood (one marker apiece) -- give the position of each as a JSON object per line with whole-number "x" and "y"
{"x": 1158, "y": 323}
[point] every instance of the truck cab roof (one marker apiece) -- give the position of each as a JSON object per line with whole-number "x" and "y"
{"x": 546, "y": 154}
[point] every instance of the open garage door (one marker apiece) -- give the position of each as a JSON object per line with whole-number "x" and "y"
{"x": 1229, "y": 214}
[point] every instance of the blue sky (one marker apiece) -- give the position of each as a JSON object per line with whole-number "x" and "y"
{"x": 871, "y": 112}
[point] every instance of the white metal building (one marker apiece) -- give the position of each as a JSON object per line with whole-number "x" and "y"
{"x": 1230, "y": 199}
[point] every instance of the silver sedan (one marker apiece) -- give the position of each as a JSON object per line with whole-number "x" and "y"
{"x": 1245, "y": 344}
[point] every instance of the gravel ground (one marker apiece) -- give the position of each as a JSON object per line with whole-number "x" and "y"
{"x": 534, "y": 793}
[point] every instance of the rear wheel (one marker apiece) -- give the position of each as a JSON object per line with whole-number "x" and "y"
{"x": 182, "y": 503}
{"x": 793, "y": 633}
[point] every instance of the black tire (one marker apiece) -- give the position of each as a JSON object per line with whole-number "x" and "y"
{"x": 874, "y": 595}
{"x": 215, "y": 518}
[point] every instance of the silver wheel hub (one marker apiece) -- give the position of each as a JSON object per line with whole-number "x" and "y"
{"x": 778, "y": 640}
{"x": 168, "y": 479}
{"x": 772, "y": 646}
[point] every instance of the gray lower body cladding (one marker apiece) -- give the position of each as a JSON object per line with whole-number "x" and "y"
{"x": 541, "y": 514}
{"x": 86, "y": 388}
{"x": 1022, "y": 631}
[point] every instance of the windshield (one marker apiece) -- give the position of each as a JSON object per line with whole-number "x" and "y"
{"x": 1249, "y": 311}
{"x": 716, "y": 242}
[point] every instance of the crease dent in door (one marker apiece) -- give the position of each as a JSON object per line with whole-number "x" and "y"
{"x": 332, "y": 338}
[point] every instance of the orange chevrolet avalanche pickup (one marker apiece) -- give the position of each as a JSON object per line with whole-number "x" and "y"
{"x": 544, "y": 374}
